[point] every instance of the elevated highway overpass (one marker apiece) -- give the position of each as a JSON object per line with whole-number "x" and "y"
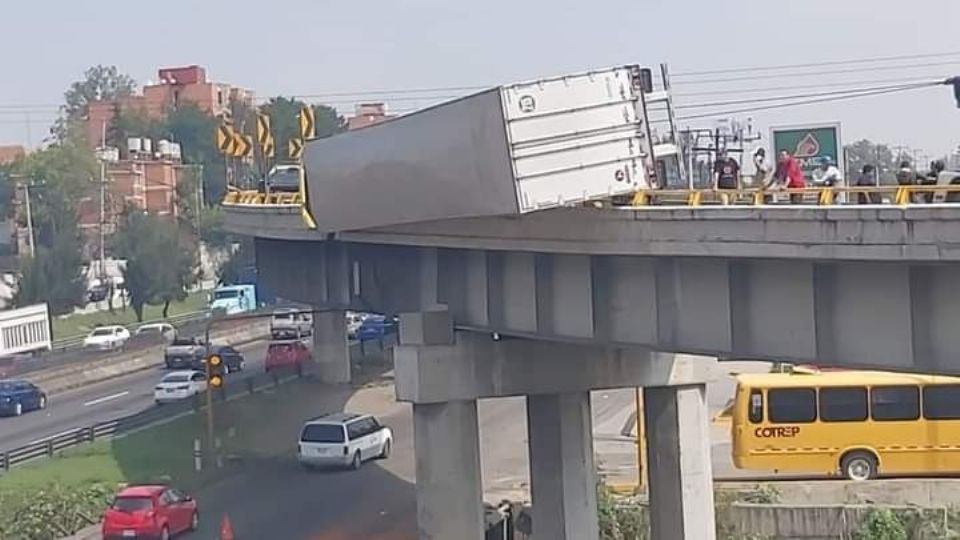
{"x": 482, "y": 217}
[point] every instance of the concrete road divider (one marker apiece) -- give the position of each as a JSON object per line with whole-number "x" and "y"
{"x": 73, "y": 376}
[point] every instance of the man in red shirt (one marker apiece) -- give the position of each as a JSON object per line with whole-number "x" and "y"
{"x": 790, "y": 175}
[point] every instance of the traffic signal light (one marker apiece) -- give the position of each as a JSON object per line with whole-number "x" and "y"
{"x": 215, "y": 371}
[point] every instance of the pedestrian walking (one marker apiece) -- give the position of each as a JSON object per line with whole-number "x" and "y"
{"x": 867, "y": 178}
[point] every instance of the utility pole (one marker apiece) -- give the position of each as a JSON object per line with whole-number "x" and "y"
{"x": 26, "y": 190}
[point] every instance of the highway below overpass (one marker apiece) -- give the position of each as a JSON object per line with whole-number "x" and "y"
{"x": 275, "y": 498}
{"x": 101, "y": 402}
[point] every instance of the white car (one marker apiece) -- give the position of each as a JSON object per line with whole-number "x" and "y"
{"x": 343, "y": 440}
{"x": 354, "y": 320}
{"x": 107, "y": 338}
{"x": 164, "y": 332}
{"x": 179, "y": 385}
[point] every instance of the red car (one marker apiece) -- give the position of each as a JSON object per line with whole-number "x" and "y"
{"x": 156, "y": 512}
{"x": 287, "y": 354}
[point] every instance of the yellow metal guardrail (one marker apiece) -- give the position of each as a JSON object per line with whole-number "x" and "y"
{"x": 256, "y": 198}
{"x": 822, "y": 196}
{"x": 827, "y": 196}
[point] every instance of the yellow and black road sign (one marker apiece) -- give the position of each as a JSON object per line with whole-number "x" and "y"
{"x": 295, "y": 148}
{"x": 225, "y": 139}
{"x": 268, "y": 147}
{"x": 263, "y": 129}
{"x": 242, "y": 145}
{"x": 308, "y": 124}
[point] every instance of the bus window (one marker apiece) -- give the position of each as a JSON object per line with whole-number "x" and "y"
{"x": 843, "y": 404}
{"x": 756, "y": 406}
{"x": 941, "y": 402}
{"x": 893, "y": 403}
{"x": 792, "y": 405}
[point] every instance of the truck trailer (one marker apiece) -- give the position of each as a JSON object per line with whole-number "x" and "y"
{"x": 505, "y": 151}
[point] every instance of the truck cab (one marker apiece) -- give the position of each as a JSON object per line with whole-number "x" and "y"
{"x": 234, "y": 299}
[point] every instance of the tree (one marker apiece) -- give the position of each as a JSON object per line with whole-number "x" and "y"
{"x": 865, "y": 152}
{"x": 284, "y": 118}
{"x": 194, "y": 130}
{"x": 159, "y": 261}
{"x": 99, "y": 83}
{"x": 125, "y": 124}
{"x": 54, "y": 275}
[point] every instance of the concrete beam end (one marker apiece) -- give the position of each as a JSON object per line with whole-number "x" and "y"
{"x": 430, "y": 327}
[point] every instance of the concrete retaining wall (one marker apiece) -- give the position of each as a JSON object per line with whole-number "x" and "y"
{"x": 68, "y": 377}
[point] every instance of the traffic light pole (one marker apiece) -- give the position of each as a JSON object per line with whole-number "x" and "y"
{"x": 210, "y": 446}
{"x": 209, "y": 363}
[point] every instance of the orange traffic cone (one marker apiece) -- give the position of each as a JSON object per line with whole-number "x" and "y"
{"x": 226, "y": 529}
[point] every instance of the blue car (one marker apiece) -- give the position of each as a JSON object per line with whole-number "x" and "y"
{"x": 376, "y": 327}
{"x": 18, "y": 397}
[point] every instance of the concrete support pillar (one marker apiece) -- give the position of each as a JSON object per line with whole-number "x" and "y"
{"x": 331, "y": 351}
{"x": 449, "y": 486}
{"x": 679, "y": 469}
{"x": 562, "y": 473}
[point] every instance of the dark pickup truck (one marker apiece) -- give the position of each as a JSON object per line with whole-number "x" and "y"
{"x": 184, "y": 353}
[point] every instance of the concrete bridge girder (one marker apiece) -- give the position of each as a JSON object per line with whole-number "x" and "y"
{"x": 845, "y": 313}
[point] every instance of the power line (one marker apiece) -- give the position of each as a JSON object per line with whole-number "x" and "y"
{"x": 807, "y": 102}
{"x": 811, "y": 95}
{"x": 758, "y": 90}
{"x": 816, "y": 64}
{"x": 816, "y": 73}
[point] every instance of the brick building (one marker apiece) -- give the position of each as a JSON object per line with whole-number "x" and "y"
{"x": 147, "y": 181}
{"x": 367, "y": 114}
{"x": 176, "y": 86}
{"x": 11, "y": 153}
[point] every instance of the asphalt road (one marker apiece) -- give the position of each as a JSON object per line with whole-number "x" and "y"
{"x": 100, "y": 402}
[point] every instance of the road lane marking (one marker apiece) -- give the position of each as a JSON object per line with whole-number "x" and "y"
{"x": 48, "y": 437}
{"x": 105, "y": 399}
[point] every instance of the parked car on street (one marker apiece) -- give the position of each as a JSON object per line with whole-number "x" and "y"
{"x": 376, "y": 327}
{"x": 354, "y": 320}
{"x": 107, "y": 338}
{"x": 290, "y": 323}
{"x": 287, "y": 354}
{"x": 162, "y": 332}
{"x": 231, "y": 357}
{"x": 179, "y": 385}
{"x": 185, "y": 353}
{"x": 150, "y": 511}
{"x": 18, "y": 397}
{"x": 343, "y": 439}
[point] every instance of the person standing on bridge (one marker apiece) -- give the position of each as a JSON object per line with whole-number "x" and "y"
{"x": 726, "y": 173}
{"x": 868, "y": 178}
{"x": 790, "y": 175}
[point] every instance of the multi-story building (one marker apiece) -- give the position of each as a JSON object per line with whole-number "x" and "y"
{"x": 176, "y": 86}
{"x": 367, "y": 114}
{"x": 146, "y": 180}
{"x": 11, "y": 153}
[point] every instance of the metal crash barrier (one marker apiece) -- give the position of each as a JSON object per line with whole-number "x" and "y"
{"x": 820, "y": 196}
{"x": 257, "y": 198}
{"x": 826, "y": 196}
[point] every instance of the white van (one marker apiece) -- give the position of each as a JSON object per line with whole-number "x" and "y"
{"x": 343, "y": 439}
{"x": 290, "y": 323}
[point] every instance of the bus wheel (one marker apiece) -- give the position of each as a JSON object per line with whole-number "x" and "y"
{"x": 859, "y": 466}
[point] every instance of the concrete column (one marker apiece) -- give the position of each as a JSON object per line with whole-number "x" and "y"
{"x": 449, "y": 486}
{"x": 562, "y": 472}
{"x": 331, "y": 351}
{"x": 678, "y": 458}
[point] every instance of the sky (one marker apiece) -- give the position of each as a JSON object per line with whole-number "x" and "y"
{"x": 314, "y": 47}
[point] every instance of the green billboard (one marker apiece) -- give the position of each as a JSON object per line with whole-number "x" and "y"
{"x": 811, "y": 145}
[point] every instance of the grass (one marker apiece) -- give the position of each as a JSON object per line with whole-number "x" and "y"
{"x": 81, "y": 324}
{"x": 262, "y": 425}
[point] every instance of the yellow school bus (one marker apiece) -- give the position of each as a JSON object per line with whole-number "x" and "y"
{"x": 859, "y": 424}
